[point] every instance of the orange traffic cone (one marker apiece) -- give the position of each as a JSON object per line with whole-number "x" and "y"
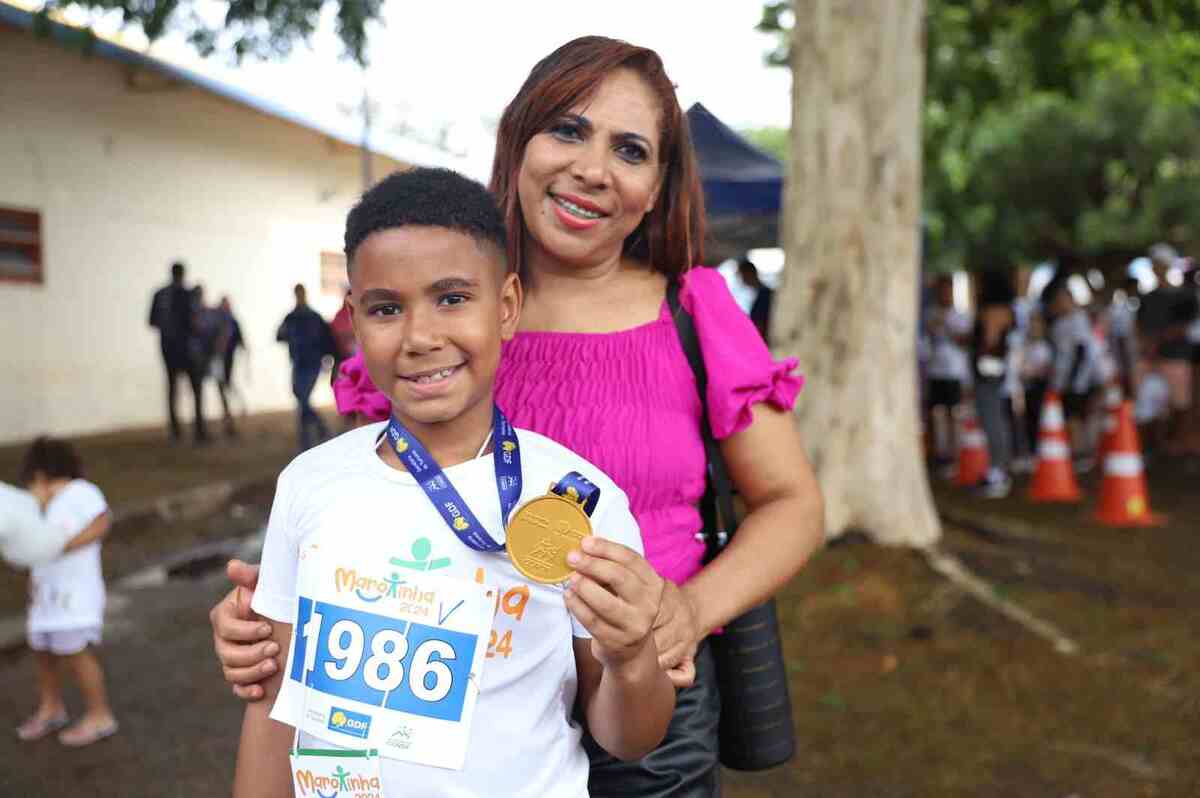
{"x": 1112, "y": 406}
{"x": 973, "y": 460}
{"x": 1123, "y": 500}
{"x": 1053, "y": 478}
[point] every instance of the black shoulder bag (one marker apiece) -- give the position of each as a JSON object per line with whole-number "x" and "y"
{"x": 756, "y": 712}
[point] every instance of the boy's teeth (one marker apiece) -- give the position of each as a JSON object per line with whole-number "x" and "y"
{"x": 576, "y": 210}
{"x": 437, "y": 375}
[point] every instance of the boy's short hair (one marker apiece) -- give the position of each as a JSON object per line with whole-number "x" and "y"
{"x": 52, "y": 457}
{"x": 425, "y": 197}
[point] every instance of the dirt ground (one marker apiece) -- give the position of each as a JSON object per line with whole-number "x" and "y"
{"x": 901, "y": 684}
{"x": 904, "y": 686}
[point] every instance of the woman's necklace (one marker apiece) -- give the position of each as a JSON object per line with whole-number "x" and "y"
{"x": 482, "y": 449}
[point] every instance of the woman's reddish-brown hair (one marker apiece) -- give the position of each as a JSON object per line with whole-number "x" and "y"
{"x": 671, "y": 236}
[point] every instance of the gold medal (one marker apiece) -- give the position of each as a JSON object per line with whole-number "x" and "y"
{"x": 542, "y": 532}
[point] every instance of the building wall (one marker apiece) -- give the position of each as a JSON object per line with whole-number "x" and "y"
{"x": 130, "y": 172}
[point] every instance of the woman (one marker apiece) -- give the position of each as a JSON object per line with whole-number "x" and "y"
{"x": 596, "y": 176}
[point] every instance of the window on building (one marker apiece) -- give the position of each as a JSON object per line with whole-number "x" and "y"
{"x": 20, "y": 246}
{"x": 333, "y": 275}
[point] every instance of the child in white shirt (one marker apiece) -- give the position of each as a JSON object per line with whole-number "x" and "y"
{"x": 66, "y": 611}
{"x": 455, "y": 702}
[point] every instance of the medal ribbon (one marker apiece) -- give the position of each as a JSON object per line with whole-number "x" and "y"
{"x": 446, "y": 499}
{"x": 579, "y": 489}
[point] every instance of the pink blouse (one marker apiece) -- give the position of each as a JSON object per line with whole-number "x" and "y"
{"x": 627, "y": 401}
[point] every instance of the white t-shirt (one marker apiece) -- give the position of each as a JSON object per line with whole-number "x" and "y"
{"x": 1153, "y": 398}
{"x": 68, "y": 593}
{"x": 1036, "y": 358}
{"x": 1072, "y": 339}
{"x": 522, "y": 740}
{"x": 947, "y": 359}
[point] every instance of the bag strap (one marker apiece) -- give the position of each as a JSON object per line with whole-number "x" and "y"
{"x": 716, "y": 506}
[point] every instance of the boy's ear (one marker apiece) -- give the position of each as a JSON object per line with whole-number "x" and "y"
{"x": 512, "y": 298}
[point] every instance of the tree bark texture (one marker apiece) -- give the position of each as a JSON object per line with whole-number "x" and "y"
{"x": 848, "y": 305}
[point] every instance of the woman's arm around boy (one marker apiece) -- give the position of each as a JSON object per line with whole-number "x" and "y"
{"x": 263, "y": 767}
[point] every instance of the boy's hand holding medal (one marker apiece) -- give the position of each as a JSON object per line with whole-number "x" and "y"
{"x": 615, "y": 594}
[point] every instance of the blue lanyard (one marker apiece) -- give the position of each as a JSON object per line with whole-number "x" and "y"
{"x": 450, "y": 504}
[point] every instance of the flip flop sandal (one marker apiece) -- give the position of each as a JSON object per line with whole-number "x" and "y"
{"x": 77, "y": 738}
{"x": 36, "y": 728}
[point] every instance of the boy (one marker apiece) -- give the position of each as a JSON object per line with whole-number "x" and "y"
{"x": 432, "y": 298}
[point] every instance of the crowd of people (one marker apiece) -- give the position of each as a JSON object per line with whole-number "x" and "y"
{"x": 199, "y": 342}
{"x": 1073, "y": 339}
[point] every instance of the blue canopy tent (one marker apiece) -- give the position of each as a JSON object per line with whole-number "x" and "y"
{"x": 743, "y": 187}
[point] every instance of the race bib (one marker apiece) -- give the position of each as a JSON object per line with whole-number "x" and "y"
{"x": 388, "y": 661}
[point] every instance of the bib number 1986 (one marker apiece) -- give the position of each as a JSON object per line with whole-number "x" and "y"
{"x": 383, "y": 662}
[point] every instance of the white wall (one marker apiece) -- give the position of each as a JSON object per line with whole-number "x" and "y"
{"x": 128, "y": 179}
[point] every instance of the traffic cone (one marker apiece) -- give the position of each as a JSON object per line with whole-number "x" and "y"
{"x": 1053, "y": 477}
{"x": 973, "y": 460}
{"x": 1112, "y": 407}
{"x": 1123, "y": 500}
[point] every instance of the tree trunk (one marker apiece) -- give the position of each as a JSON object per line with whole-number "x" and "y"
{"x": 848, "y": 306}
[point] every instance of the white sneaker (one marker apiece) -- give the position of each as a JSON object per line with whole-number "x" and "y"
{"x": 995, "y": 487}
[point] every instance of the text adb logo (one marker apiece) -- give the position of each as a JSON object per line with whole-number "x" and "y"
{"x": 354, "y": 724}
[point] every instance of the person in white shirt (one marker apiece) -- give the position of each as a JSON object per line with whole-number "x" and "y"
{"x": 458, "y": 702}
{"x": 66, "y": 610}
{"x": 1122, "y": 334}
{"x": 1036, "y": 359}
{"x": 992, "y": 363}
{"x": 1075, "y": 374}
{"x": 947, "y": 371}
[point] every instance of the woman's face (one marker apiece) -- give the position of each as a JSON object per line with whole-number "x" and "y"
{"x": 587, "y": 181}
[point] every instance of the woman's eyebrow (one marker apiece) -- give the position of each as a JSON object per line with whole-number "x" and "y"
{"x": 583, "y": 122}
{"x": 637, "y": 138}
{"x": 586, "y": 126}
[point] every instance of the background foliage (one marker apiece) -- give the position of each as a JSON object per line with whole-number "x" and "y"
{"x": 1062, "y": 130}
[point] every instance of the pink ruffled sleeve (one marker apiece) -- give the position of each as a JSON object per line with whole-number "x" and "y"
{"x": 355, "y": 393}
{"x": 741, "y": 370}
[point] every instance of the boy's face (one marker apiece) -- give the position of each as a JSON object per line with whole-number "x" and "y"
{"x": 430, "y": 307}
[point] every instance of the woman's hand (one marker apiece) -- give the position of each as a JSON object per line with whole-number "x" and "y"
{"x": 241, "y": 638}
{"x": 677, "y": 635}
{"x": 615, "y": 594}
